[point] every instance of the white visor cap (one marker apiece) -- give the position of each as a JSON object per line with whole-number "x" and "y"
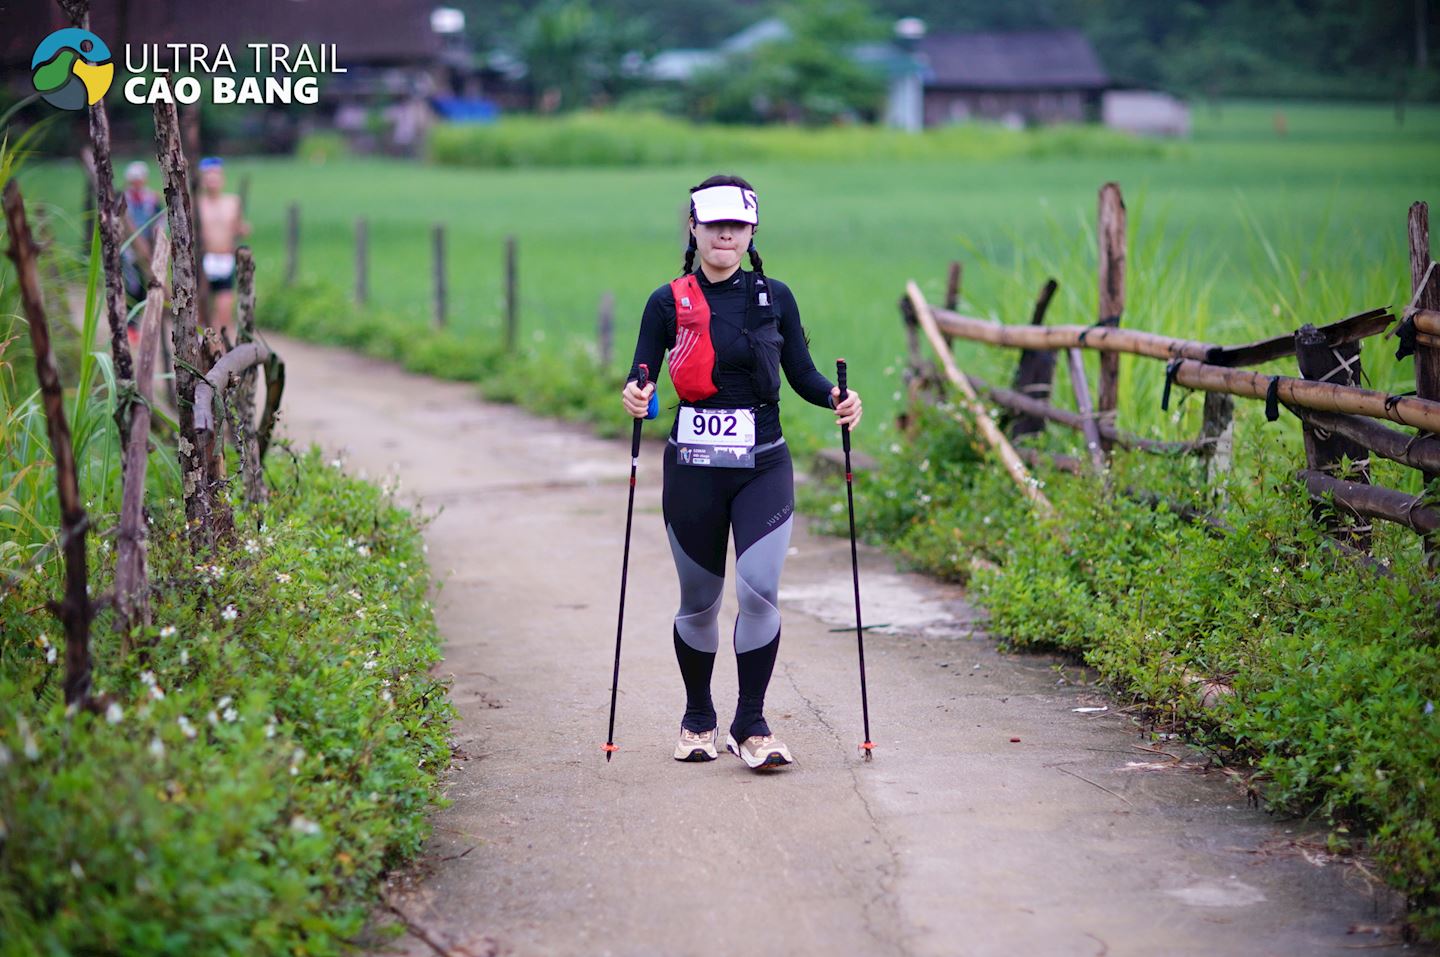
{"x": 725, "y": 203}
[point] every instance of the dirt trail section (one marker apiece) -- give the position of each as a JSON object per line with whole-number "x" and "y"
{"x": 1078, "y": 839}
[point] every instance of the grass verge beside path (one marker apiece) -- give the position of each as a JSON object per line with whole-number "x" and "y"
{"x": 1268, "y": 647}
{"x": 279, "y": 749}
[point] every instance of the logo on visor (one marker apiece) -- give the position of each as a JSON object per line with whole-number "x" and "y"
{"x": 748, "y": 198}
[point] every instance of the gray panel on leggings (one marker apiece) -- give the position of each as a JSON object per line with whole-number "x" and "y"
{"x": 757, "y": 585}
{"x": 700, "y": 594}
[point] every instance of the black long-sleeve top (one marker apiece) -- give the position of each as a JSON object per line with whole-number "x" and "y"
{"x": 727, "y": 301}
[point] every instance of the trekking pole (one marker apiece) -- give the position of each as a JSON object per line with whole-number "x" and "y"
{"x": 867, "y": 748}
{"x": 610, "y": 746}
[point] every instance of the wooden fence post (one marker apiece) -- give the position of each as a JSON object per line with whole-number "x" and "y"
{"x": 952, "y": 286}
{"x": 512, "y": 303}
{"x": 605, "y": 328}
{"x": 438, "y": 245}
{"x": 245, "y": 439}
{"x": 1324, "y": 450}
{"x": 1112, "y": 293}
{"x": 132, "y": 592}
{"x": 74, "y": 611}
{"x": 1217, "y": 436}
{"x": 206, "y": 515}
{"x": 1036, "y": 370}
{"x": 292, "y": 243}
{"x": 362, "y": 262}
{"x": 1427, "y": 356}
{"x": 1088, "y": 426}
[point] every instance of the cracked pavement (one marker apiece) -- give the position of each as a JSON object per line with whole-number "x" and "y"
{"x": 955, "y": 840}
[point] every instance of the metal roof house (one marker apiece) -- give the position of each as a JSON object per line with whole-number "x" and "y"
{"x": 1045, "y": 76}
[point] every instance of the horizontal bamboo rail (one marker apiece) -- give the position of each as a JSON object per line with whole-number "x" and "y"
{"x": 1018, "y": 402}
{"x": 1373, "y": 501}
{"x": 1417, "y": 451}
{"x": 1136, "y": 342}
{"x": 1320, "y": 396}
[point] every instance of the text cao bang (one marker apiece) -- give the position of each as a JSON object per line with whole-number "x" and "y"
{"x": 180, "y": 72}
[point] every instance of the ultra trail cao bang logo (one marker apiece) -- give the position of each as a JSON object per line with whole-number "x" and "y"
{"x": 72, "y": 69}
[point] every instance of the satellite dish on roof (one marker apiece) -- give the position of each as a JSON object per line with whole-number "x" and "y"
{"x": 447, "y": 20}
{"x": 910, "y": 28}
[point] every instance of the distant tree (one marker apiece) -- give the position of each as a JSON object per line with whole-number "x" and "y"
{"x": 575, "y": 53}
{"x": 808, "y": 77}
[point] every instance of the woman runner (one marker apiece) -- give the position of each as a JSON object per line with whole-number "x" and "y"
{"x": 727, "y": 468}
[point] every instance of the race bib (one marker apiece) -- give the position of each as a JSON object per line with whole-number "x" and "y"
{"x": 723, "y": 438}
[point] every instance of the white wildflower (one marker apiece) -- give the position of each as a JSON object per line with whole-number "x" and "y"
{"x": 230, "y": 714}
{"x": 114, "y": 713}
{"x": 167, "y": 632}
{"x": 925, "y": 465}
{"x": 212, "y": 717}
{"x": 354, "y": 594}
{"x": 282, "y": 577}
{"x": 370, "y": 664}
{"x": 157, "y": 693}
{"x": 184, "y": 656}
{"x": 76, "y": 870}
{"x": 304, "y": 825}
{"x": 147, "y": 678}
{"x": 224, "y": 702}
{"x": 894, "y": 448}
{"x": 270, "y": 727}
{"x": 335, "y": 463}
{"x": 252, "y": 547}
{"x": 186, "y": 727}
{"x": 385, "y": 695}
{"x": 363, "y": 551}
{"x": 157, "y": 747}
{"x": 50, "y": 655}
{"x": 360, "y": 613}
{"x": 229, "y": 614}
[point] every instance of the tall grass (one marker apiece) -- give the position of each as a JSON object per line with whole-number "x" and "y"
{"x": 29, "y": 502}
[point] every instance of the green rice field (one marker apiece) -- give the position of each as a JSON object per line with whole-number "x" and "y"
{"x": 1235, "y": 233}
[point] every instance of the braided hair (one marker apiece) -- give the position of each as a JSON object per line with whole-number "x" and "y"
{"x": 721, "y": 179}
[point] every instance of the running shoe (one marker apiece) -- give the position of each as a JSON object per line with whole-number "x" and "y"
{"x": 759, "y": 751}
{"x": 696, "y": 745}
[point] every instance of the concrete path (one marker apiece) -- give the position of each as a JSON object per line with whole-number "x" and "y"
{"x": 958, "y": 839}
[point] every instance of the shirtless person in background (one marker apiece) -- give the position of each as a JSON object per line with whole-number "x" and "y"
{"x": 222, "y": 224}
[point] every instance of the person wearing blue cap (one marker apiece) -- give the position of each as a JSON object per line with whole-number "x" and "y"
{"x": 222, "y": 225}
{"x": 729, "y": 334}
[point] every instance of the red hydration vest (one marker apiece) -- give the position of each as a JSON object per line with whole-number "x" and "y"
{"x": 692, "y": 358}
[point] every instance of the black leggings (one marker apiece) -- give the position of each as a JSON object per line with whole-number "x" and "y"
{"x": 702, "y": 505}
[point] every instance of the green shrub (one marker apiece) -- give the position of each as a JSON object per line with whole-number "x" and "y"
{"x": 1266, "y": 644}
{"x": 630, "y": 138}
{"x": 274, "y": 746}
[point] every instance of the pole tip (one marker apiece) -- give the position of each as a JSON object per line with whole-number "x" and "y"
{"x": 867, "y": 749}
{"x": 609, "y": 750}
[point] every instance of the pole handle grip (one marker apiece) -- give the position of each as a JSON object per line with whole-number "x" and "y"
{"x": 840, "y": 377}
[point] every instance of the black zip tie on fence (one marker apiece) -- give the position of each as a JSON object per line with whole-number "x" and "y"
{"x": 1171, "y": 367}
{"x": 1272, "y": 399}
{"x": 1392, "y": 400}
{"x": 1405, "y": 336}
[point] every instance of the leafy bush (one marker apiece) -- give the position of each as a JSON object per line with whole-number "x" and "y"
{"x": 639, "y": 139}
{"x": 273, "y": 747}
{"x": 1266, "y": 643}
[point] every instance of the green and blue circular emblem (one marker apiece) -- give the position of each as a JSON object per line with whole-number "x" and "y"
{"x": 72, "y": 69}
